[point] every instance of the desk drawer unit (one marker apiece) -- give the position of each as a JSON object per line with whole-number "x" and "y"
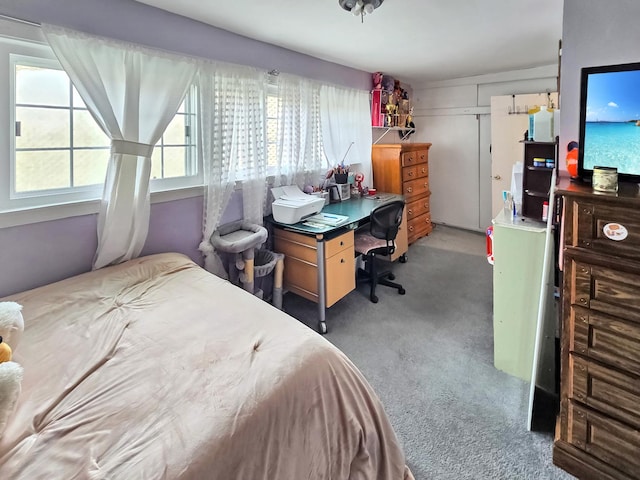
{"x": 301, "y": 264}
{"x": 404, "y": 169}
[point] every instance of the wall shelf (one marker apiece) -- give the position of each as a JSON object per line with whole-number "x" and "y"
{"x": 405, "y": 135}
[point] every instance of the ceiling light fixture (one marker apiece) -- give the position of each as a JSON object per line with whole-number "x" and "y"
{"x": 360, "y": 7}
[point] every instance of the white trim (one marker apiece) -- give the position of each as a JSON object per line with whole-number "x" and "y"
{"x": 433, "y": 112}
{"x": 14, "y": 218}
{"x": 546, "y": 71}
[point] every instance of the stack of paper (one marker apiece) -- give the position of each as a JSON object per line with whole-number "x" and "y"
{"x": 327, "y": 219}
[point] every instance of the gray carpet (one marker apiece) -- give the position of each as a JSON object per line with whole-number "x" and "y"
{"x": 429, "y": 356}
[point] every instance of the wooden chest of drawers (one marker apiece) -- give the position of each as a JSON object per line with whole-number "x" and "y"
{"x": 404, "y": 169}
{"x": 598, "y": 431}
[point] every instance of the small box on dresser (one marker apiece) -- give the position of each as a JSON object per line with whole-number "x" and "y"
{"x": 598, "y": 429}
{"x": 404, "y": 169}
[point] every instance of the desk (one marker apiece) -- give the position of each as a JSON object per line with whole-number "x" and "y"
{"x": 320, "y": 262}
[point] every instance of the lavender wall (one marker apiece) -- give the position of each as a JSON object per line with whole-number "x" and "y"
{"x": 44, "y": 252}
{"x": 37, "y": 254}
{"x": 594, "y": 33}
{"x": 139, "y": 23}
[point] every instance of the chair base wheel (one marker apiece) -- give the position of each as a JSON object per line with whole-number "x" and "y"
{"x": 402, "y": 291}
{"x": 322, "y": 328}
{"x": 403, "y": 258}
{"x": 373, "y": 299}
{"x": 391, "y": 276}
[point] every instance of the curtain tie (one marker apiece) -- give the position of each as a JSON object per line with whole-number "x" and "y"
{"x": 126, "y": 147}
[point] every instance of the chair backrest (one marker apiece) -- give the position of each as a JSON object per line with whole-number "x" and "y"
{"x": 385, "y": 220}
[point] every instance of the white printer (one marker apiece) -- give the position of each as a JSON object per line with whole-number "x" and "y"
{"x": 291, "y": 205}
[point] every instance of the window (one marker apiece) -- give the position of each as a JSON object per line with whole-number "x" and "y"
{"x": 58, "y": 147}
{"x": 272, "y": 127}
{"x": 175, "y": 155}
{"x": 59, "y": 153}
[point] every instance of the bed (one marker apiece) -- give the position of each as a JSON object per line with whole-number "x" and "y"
{"x": 156, "y": 369}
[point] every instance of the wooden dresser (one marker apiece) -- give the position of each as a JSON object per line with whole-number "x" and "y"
{"x": 404, "y": 169}
{"x": 598, "y": 429}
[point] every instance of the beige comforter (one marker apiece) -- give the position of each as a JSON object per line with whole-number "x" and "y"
{"x": 156, "y": 369}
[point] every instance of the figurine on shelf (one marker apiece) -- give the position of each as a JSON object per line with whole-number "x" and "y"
{"x": 387, "y": 83}
{"x": 391, "y": 110}
{"x": 359, "y": 178}
{"x": 404, "y": 134}
{"x": 398, "y": 91}
{"x": 377, "y": 81}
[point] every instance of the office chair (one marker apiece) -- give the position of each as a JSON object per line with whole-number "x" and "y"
{"x": 378, "y": 238}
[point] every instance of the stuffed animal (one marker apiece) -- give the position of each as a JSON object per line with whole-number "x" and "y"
{"x": 5, "y": 352}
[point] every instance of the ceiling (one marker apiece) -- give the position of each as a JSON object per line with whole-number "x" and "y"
{"x": 417, "y": 41}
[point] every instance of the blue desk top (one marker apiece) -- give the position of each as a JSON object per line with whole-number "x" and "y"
{"x": 355, "y": 208}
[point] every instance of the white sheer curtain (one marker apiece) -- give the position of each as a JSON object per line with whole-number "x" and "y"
{"x": 299, "y": 148}
{"x": 232, "y": 146}
{"x": 346, "y": 119}
{"x": 133, "y": 93}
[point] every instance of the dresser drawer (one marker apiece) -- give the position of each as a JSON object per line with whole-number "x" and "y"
{"x": 605, "y": 389}
{"x": 417, "y": 208}
{"x": 605, "y": 338}
{"x": 419, "y": 227}
{"x": 609, "y": 229}
{"x": 604, "y": 289}
{"x": 415, "y": 188}
{"x": 412, "y": 173}
{"x": 410, "y": 159}
{"x": 613, "y": 442}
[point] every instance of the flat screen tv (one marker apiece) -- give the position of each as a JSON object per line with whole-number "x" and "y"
{"x": 610, "y": 121}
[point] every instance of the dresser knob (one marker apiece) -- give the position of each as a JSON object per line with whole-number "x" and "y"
{"x": 587, "y": 211}
{"x": 409, "y": 189}
{"x": 341, "y": 243}
{"x": 426, "y": 184}
{"x": 411, "y": 229}
{"x": 410, "y": 212}
{"x": 584, "y": 270}
{"x": 586, "y": 244}
{"x": 579, "y": 396}
{"x": 342, "y": 260}
{"x": 583, "y": 300}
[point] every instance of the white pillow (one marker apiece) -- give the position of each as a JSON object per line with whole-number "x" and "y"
{"x": 10, "y": 379}
{"x": 11, "y": 323}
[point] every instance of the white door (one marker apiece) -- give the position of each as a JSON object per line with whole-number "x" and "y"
{"x": 509, "y": 122}
{"x": 486, "y": 184}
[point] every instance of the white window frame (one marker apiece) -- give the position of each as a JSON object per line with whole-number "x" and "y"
{"x": 41, "y": 197}
{"x": 19, "y": 209}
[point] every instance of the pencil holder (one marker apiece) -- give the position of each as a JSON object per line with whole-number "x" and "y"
{"x": 341, "y": 177}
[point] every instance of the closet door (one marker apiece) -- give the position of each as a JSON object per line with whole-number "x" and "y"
{"x": 454, "y": 169}
{"x": 509, "y": 122}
